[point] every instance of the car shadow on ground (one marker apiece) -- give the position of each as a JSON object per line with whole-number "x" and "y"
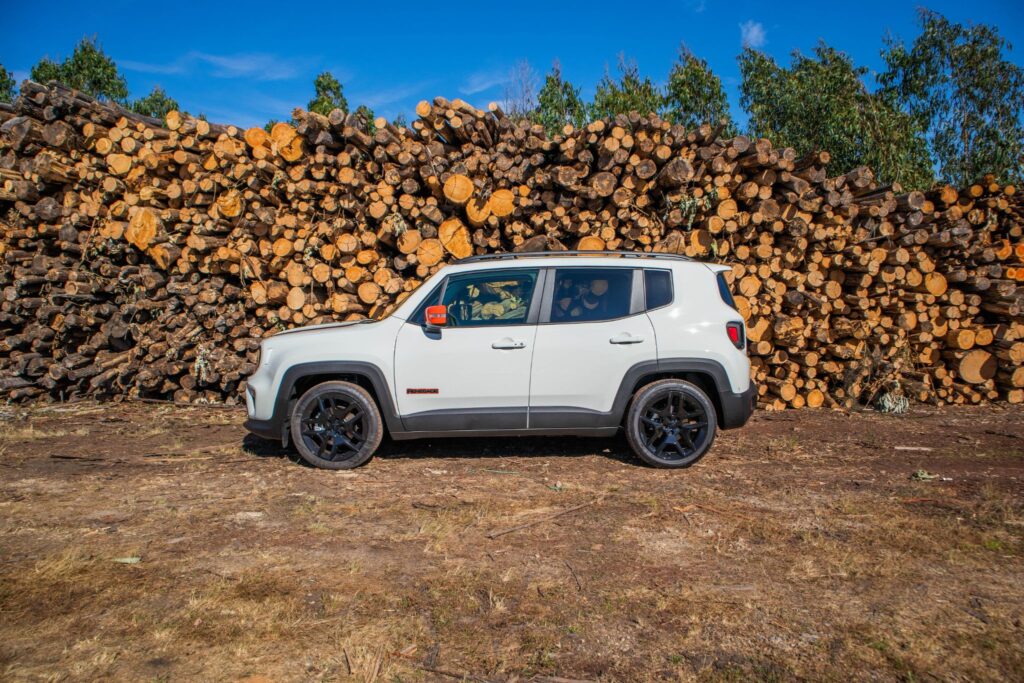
{"x": 613, "y": 448}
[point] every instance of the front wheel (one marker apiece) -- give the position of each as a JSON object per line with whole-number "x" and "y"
{"x": 671, "y": 423}
{"x": 336, "y": 425}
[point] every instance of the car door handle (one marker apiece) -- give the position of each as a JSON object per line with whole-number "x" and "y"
{"x": 625, "y": 338}
{"x": 507, "y": 343}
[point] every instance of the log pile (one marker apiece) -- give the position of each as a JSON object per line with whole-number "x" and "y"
{"x": 148, "y": 258}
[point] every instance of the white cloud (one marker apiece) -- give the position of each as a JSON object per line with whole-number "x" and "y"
{"x": 175, "y": 67}
{"x": 752, "y": 34}
{"x": 697, "y": 6}
{"x": 378, "y": 98}
{"x": 480, "y": 81}
{"x": 261, "y": 66}
{"x": 268, "y": 105}
{"x": 258, "y": 66}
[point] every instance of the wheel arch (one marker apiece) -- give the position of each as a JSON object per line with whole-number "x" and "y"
{"x": 706, "y": 374}
{"x": 300, "y": 378}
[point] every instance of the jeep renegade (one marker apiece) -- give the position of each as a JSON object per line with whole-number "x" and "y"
{"x": 553, "y": 343}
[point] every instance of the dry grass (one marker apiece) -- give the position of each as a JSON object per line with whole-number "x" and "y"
{"x": 788, "y": 554}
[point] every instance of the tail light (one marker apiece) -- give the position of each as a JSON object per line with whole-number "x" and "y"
{"x": 735, "y": 332}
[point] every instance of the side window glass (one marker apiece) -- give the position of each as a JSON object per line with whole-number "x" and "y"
{"x": 657, "y": 288}
{"x": 591, "y": 294}
{"x": 489, "y": 297}
{"x": 723, "y": 290}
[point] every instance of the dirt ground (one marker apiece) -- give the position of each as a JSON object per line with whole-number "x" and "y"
{"x": 157, "y": 543}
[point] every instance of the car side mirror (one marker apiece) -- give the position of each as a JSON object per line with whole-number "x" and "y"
{"x": 436, "y": 316}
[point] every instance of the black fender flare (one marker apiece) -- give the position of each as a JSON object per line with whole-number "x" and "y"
{"x": 371, "y": 372}
{"x": 733, "y": 407}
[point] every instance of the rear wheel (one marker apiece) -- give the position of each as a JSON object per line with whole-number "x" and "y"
{"x": 336, "y": 425}
{"x": 671, "y": 423}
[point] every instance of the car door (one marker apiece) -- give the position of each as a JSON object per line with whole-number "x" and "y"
{"x": 592, "y": 329}
{"x": 473, "y": 373}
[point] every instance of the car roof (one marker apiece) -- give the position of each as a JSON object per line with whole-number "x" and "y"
{"x": 564, "y": 259}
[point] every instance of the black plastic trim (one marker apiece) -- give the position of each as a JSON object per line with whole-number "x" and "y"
{"x": 559, "y": 417}
{"x": 737, "y": 408}
{"x": 268, "y": 429}
{"x": 569, "y": 431}
{"x": 472, "y": 419}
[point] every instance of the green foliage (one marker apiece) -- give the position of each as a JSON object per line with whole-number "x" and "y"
{"x": 957, "y": 83}
{"x": 6, "y": 85}
{"x": 366, "y": 119}
{"x": 400, "y": 122}
{"x": 46, "y": 71}
{"x": 329, "y": 95}
{"x": 821, "y": 103}
{"x": 155, "y": 104}
{"x": 88, "y": 69}
{"x": 695, "y": 95}
{"x": 559, "y": 103}
{"x": 269, "y": 125}
{"x": 630, "y": 93}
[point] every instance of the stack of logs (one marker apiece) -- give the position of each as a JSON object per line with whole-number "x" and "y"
{"x": 148, "y": 258}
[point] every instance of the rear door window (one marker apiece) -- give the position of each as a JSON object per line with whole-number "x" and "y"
{"x": 591, "y": 294}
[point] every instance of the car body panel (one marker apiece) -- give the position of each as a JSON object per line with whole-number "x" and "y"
{"x": 459, "y": 368}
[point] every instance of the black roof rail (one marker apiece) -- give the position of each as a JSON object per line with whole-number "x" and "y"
{"x": 508, "y": 256}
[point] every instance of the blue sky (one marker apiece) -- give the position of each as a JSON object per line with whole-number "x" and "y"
{"x": 249, "y": 62}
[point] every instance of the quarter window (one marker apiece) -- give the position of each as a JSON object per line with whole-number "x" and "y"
{"x": 489, "y": 298}
{"x": 591, "y": 294}
{"x": 657, "y": 288}
{"x": 723, "y": 290}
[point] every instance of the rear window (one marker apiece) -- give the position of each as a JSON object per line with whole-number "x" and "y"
{"x": 723, "y": 289}
{"x": 657, "y": 288}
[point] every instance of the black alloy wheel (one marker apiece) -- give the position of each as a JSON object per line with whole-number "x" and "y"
{"x": 336, "y": 425}
{"x": 671, "y": 423}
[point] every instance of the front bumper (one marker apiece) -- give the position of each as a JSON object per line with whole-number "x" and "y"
{"x": 737, "y": 408}
{"x": 268, "y": 429}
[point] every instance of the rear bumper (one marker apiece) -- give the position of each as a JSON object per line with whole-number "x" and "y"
{"x": 737, "y": 408}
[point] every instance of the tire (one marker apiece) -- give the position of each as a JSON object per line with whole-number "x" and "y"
{"x": 350, "y": 434}
{"x": 656, "y": 433}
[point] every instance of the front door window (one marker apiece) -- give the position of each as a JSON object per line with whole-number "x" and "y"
{"x": 489, "y": 298}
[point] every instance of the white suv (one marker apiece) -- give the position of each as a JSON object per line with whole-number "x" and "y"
{"x": 573, "y": 343}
